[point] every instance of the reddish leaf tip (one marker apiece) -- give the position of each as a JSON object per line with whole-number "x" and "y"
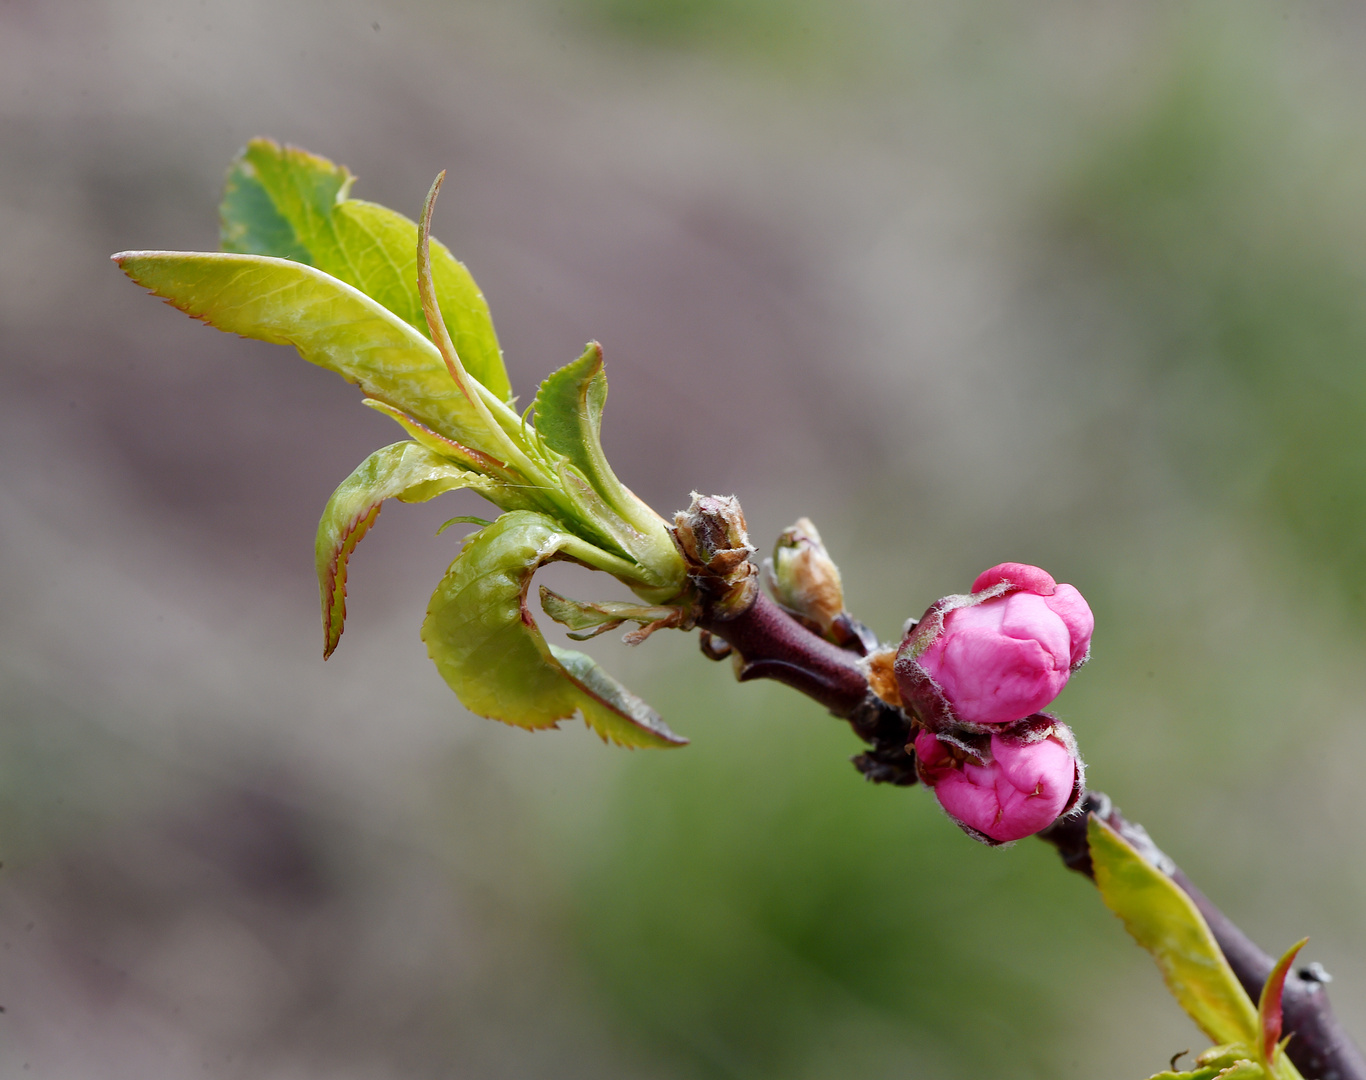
{"x": 1269, "y": 1009}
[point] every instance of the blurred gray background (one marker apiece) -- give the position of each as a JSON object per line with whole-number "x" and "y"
{"x": 1082, "y": 285}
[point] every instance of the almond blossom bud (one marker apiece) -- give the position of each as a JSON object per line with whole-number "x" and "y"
{"x": 1011, "y": 785}
{"x": 999, "y": 654}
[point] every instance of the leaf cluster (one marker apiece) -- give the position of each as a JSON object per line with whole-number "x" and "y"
{"x": 365, "y": 292}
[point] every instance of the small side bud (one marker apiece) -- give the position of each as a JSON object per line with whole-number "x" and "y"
{"x": 711, "y": 534}
{"x": 803, "y": 577}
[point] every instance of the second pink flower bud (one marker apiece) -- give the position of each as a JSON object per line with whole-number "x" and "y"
{"x": 1009, "y": 786}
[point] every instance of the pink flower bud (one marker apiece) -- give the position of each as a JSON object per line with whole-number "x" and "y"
{"x": 1009, "y": 790}
{"x": 1002, "y": 653}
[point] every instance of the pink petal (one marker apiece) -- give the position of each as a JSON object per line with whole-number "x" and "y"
{"x": 992, "y": 679}
{"x": 1021, "y": 575}
{"x": 1071, "y": 607}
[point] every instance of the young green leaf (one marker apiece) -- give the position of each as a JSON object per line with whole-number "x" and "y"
{"x": 1211, "y": 1073}
{"x": 484, "y": 640}
{"x": 1269, "y": 1015}
{"x": 568, "y": 410}
{"x": 405, "y": 471}
{"x": 589, "y": 620}
{"x": 1164, "y": 921}
{"x": 1225, "y": 1056}
{"x": 1242, "y": 1070}
{"x": 464, "y": 456}
{"x": 331, "y": 323}
{"x": 569, "y": 417}
{"x": 286, "y": 202}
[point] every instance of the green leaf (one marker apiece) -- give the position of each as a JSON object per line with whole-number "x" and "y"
{"x": 1225, "y": 1056}
{"x": 569, "y": 407}
{"x": 251, "y": 224}
{"x": 568, "y": 410}
{"x": 463, "y": 519}
{"x": 462, "y": 455}
{"x": 283, "y": 195}
{"x": 590, "y": 620}
{"x": 331, "y": 323}
{"x": 484, "y": 640}
{"x": 1164, "y": 921}
{"x": 405, "y": 471}
{"x": 1243, "y": 1070}
{"x": 286, "y": 202}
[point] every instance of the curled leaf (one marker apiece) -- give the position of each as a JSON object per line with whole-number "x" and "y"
{"x": 484, "y": 640}
{"x": 405, "y": 471}
{"x": 463, "y": 519}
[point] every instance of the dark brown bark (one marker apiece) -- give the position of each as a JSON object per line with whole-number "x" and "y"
{"x": 774, "y": 645}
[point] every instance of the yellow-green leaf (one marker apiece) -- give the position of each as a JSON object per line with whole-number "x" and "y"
{"x": 331, "y": 323}
{"x": 568, "y": 410}
{"x": 286, "y": 202}
{"x": 1243, "y": 1070}
{"x": 483, "y": 638}
{"x": 406, "y": 471}
{"x": 1164, "y": 921}
{"x": 588, "y": 620}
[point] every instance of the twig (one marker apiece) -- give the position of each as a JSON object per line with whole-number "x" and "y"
{"x": 771, "y": 644}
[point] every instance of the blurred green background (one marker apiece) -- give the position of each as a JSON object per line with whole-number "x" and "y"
{"x": 1073, "y": 284}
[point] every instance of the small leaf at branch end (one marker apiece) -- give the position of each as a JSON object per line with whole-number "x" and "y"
{"x": 1233, "y": 1061}
{"x": 568, "y": 406}
{"x": 286, "y": 202}
{"x": 406, "y": 471}
{"x": 1194, "y": 1074}
{"x": 1269, "y": 1015}
{"x": 605, "y": 614}
{"x": 485, "y": 642}
{"x": 1164, "y": 921}
{"x": 1243, "y": 1070}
